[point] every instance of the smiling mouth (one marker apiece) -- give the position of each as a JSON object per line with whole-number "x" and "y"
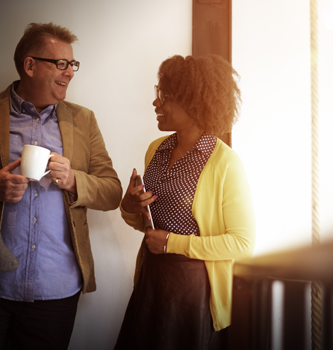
{"x": 159, "y": 115}
{"x": 61, "y": 83}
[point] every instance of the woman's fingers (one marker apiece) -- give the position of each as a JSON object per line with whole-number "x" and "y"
{"x": 132, "y": 182}
{"x": 136, "y": 199}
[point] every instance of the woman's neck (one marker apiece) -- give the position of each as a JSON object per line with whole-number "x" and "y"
{"x": 188, "y": 138}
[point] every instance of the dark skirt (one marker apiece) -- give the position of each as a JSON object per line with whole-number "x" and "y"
{"x": 169, "y": 307}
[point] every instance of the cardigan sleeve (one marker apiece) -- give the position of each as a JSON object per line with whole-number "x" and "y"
{"x": 134, "y": 220}
{"x": 224, "y": 211}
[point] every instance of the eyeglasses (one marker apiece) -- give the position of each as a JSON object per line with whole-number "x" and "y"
{"x": 61, "y": 64}
{"x": 160, "y": 95}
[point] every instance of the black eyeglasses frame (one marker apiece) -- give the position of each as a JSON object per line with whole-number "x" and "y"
{"x": 73, "y": 63}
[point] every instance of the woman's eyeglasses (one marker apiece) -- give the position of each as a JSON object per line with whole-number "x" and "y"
{"x": 160, "y": 95}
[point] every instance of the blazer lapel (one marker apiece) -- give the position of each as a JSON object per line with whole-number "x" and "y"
{"x": 65, "y": 119}
{"x": 5, "y": 125}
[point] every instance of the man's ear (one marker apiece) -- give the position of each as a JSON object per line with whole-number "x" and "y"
{"x": 28, "y": 66}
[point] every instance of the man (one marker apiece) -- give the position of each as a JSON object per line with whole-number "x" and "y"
{"x": 44, "y": 224}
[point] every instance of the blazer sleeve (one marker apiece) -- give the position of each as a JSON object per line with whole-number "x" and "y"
{"x": 97, "y": 183}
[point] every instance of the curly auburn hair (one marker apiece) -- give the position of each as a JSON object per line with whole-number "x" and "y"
{"x": 32, "y": 42}
{"x": 205, "y": 87}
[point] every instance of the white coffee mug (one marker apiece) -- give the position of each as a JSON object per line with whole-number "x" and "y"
{"x": 34, "y": 162}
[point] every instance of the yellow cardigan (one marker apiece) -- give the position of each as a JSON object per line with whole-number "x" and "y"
{"x": 223, "y": 209}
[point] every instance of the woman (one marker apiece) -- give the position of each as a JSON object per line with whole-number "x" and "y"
{"x": 202, "y": 211}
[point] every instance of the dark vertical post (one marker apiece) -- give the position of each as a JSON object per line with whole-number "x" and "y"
{"x": 211, "y": 33}
{"x": 261, "y": 323}
{"x": 327, "y": 314}
{"x": 240, "y": 332}
{"x": 294, "y": 315}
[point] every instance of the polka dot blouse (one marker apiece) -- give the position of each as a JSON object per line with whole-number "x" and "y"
{"x": 175, "y": 187}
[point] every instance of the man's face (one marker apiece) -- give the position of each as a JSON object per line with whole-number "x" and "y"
{"x": 49, "y": 83}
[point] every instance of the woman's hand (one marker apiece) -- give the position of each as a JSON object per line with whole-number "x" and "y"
{"x": 134, "y": 202}
{"x": 156, "y": 240}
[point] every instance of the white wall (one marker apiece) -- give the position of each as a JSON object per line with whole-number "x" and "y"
{"x": 271, "y": 51}
{"x": 121, "y": 44}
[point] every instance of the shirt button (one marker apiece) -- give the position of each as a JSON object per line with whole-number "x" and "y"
{"x": 36, "y": 143}
{"x": 37, "y": 119}
{"x": 36, "y": 194}
{"x": 35, "y": 219}
{"x": 33, "y": 246}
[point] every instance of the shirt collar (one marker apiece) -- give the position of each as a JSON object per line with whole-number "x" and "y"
{"x": 17, "y": 102}
{"x": 169, "y": 143}
{"x": 201, "y": 145}
{"x": 206, "y": 144}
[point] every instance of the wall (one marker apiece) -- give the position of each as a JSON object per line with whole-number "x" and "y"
{"x": 271, "y": 51}
{"x": 121, "y": 44}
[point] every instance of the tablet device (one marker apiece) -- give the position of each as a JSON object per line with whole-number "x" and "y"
{"x": 139, "y": 181}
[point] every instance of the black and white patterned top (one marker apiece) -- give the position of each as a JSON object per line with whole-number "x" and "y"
{"x": 175, "y": 187}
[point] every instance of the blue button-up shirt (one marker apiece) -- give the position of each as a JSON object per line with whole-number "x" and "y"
{"x": 36, "y": 229}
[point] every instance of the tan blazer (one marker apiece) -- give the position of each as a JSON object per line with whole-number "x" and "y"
{"x": 97, "y": 183}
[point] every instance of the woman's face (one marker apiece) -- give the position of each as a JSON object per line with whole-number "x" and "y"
{"x": 170, "y": 115}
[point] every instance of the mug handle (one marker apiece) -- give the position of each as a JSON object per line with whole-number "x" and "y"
{"x": 46, "y": 172}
